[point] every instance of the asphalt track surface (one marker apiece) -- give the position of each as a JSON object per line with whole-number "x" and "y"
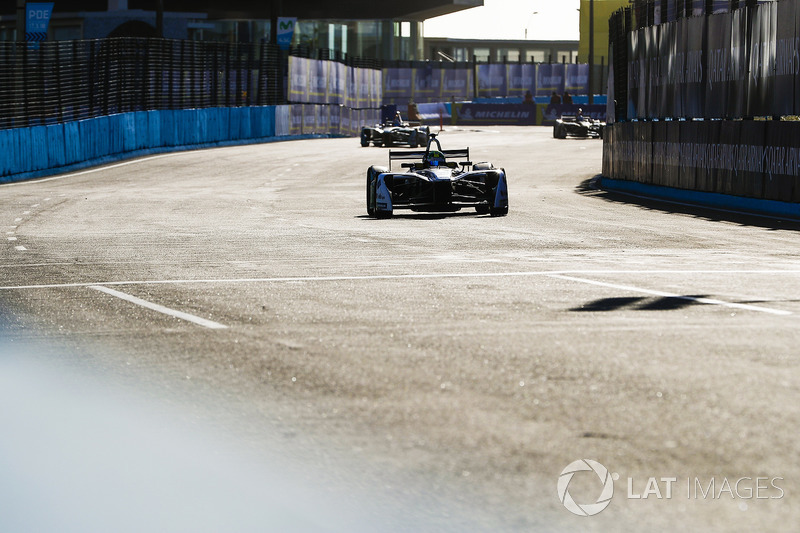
{"x": 435, "y": 373}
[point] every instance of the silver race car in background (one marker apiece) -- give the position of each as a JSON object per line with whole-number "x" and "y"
{"x": 433, "y": 182}
{"x": 578, "y": 125}
{"x": 395, "y": 132}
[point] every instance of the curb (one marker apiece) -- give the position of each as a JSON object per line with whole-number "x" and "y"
{"x": 718, "y": 201}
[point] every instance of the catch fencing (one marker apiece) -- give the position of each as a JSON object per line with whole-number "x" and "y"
{"x": 63, "y": 81}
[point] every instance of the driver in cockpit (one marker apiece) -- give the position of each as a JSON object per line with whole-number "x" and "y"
{"x": 398, "y": 120}
{"x": 435, "y": 159}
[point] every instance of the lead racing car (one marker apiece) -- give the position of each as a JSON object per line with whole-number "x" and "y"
{"x": 395, "y": 132}
{"x": 433, "y": 182}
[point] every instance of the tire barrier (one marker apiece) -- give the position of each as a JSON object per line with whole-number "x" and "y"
{"x": 753, "y": 159}
{"x": 40, "y": 150}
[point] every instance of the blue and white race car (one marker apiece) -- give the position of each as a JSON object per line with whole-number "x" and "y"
{"x": 435, "y": 183}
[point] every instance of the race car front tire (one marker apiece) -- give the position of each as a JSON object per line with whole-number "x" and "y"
{"x": 364, "y": 138}
{"x": 498, "y": 211}
{"x": 372, "y": 179}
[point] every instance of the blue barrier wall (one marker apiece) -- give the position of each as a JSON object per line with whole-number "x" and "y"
{"x": 41, "y": 150}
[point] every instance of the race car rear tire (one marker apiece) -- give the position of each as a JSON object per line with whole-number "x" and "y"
{"x": 482, "y": 166}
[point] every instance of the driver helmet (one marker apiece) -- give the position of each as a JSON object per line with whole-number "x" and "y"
{"x": 436, "y": 158}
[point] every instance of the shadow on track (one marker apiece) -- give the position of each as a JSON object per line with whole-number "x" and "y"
{"x": 591, "y": 188}
{"x": 428, "y": 216}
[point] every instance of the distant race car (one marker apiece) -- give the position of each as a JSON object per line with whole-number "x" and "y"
{"x": 578, "y": 126}
{"x": 435, "y": 183}
{"x": 395, "y": 132}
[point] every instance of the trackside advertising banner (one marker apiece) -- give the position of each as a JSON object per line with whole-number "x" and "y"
{"x": 489, "y": 114}
{"x": 755, "y": 159}
{"x": 428, "y": 84}
{"x": 307, "y": 119}
{"x": 550, "y": 79}
{"x": 492, "y": 80}
{"x": 728, "y": 65}
{"x": 442, "y": 84}
{"x": 328, "y": 82}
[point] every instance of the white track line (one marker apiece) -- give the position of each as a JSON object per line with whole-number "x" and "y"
{"x": 709, "y": 301}
{"x": 562, "y": 274}
{"x": 91, "y": 171}
{"x": 378, "y": 277}
{"x": 160, "y": 308}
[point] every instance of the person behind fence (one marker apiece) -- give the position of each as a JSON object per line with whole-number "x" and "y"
{"x": 528, "y": 98}
{"x": 552, "y": 110}
{"x": 567, "y": 98}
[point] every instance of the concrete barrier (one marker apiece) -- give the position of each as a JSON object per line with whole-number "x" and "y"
{"x": 755, "y": 159}
{"x": 44, "y": 150}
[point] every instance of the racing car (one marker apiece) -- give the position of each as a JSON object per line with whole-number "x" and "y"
{"x": 433, "y": 182}
{"x": 395, "y": 132}
{"x": 578, "y": 126}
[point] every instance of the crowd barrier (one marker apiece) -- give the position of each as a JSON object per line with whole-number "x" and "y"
{"x": 753, "y": 159}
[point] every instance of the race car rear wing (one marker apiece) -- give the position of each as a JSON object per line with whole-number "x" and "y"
{"x": 419, "y": 155}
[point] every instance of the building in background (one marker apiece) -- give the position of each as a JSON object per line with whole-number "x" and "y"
{"x": 603, "y": 9}
{"x": 360, "y": 28}
{"x": 499, "y": 51}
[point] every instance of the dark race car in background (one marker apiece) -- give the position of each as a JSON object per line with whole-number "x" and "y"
{"x": 395, "y": 132}
{"x": 578, "y": 125}
{"x": 433, "y": 182}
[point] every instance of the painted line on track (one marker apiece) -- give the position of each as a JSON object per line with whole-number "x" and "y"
{"x": 708, "y": 301}
{"x": 568, "y": 275}
{"x": 92, "y": 170}
{"x": 160, "y": 308}
{"x": 379, "y": 277}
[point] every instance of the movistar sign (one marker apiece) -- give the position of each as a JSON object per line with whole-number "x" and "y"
{"x": 286, "y": 31}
